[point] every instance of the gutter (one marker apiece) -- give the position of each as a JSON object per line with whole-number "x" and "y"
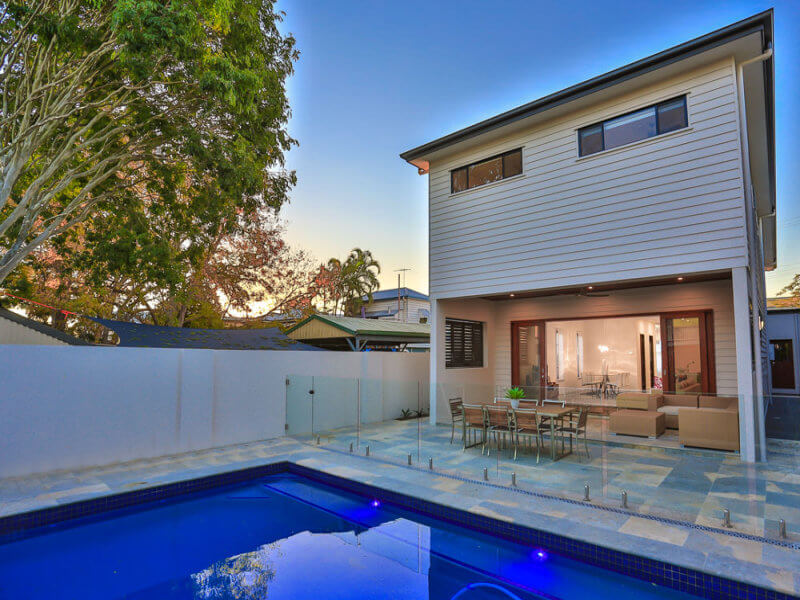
{"x": 761, "y": 22}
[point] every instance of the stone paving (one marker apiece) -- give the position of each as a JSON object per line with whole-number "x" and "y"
{"x": 758, "y": 562}
{"x": 685, "y": 484}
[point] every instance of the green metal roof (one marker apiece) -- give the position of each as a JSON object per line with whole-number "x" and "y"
{"x": 358, "y": 326}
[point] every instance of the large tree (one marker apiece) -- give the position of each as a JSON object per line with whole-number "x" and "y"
{"x": 109, "y": 102}
{"x": 793, "y": 288}
{"x": 129, "y": 268}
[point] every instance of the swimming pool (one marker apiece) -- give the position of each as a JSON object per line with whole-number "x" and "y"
{"x": 286, "y": 536}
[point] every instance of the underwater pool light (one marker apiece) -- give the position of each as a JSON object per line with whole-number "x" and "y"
{"x": 375, "y": 503}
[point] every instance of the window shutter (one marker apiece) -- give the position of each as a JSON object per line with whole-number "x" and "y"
{"x": 463, "y": 343}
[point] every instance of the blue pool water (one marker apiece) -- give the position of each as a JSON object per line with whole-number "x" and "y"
{"x": 289, "y": 537}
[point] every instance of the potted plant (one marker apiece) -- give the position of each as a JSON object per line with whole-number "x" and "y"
{"x": 515, "y": 394}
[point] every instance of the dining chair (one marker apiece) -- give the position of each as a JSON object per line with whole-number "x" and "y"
{"x": 575, "y": 427}
{"x": 525, "y": 422}
{"x": 545, "y": 420}
{"x": 497, "y": 421}
{"x": 456, "y": 415}
{"x": 474, "y": 420}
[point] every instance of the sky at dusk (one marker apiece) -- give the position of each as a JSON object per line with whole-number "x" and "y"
{"x": 377, "y": 78}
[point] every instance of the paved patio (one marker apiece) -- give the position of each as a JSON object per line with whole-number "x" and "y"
{"x": 758, "y": 562}
{"x": 691, "y": 485}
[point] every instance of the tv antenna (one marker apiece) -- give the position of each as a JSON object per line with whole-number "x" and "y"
{"x": 403, "y": 271}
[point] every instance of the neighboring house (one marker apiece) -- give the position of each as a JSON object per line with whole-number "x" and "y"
{"x": 138, "y": 335}
{"x": 783, "y": 336}
{"x": 16, "y": 329}
{"x": 616, "y": 230}
{"x": 398, "y": 304}
{"x": 357, "y": 334}
{"x": 285, "y": 319}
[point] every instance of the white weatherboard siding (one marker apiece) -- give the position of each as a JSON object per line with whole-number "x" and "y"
{"x": 667, "y": 205}
{"x": 413, "y": 306}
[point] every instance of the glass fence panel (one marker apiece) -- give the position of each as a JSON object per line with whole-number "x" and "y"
{"x": 299, "y": 407}
{"x": 371, "y": 405}
{"x": 336, "y": 404}
{"x": 782, "y": 419}
{"x": 391, "y": 415}
{"x": 669, "y": 455}
{"x": 454, "y": 440}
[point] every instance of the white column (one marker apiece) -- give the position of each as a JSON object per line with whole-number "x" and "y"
{"x": 744, "y": 364}
{"x": 434, "y": 357}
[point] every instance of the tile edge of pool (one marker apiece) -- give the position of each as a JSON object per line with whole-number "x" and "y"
{"x": 680, "y": 578}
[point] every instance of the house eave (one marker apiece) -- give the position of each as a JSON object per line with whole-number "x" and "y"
{"x": 757, "y": 24}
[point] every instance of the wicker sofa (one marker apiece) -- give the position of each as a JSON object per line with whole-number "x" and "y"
{"x": 701, "y": 421}
{"x": 713, "y": 424}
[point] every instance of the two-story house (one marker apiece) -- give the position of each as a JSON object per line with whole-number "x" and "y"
{"x": 398, "y": 304}
{"x": 614, "y": 233}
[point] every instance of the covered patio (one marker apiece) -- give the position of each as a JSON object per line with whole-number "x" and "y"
{"x": 674, "y": 339}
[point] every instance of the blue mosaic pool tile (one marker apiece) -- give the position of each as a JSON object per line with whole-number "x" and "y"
{"x": 679, "y": 578}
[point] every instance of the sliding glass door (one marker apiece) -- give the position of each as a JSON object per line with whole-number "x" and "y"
{"x": 602, "y": 356}
{"x": 687, "y": 353}
{"x": 527, "y": 362}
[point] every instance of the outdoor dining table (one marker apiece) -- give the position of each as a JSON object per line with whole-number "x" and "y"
{"x": 555, "y": 412}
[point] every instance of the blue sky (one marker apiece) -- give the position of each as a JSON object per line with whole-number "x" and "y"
{"x": 377, "y": 78}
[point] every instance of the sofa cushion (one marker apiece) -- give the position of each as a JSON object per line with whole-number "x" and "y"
{"x": 639, "y": 400}
{"x": 681, "y": 400}
{"x": 730, "y": 402}
{"x": 668, "y": 410}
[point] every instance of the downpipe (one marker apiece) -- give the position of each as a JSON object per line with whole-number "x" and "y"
{"x": 749, "y": 199}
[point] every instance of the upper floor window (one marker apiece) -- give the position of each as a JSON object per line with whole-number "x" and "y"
{"x": 492, "y": 169}
{"x": 632, "y": 127}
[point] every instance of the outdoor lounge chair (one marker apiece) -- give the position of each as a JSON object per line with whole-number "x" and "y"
{"x": 574, "y": 428}
{"x": 456, "y": 415}
{"x": 524, "y": 422}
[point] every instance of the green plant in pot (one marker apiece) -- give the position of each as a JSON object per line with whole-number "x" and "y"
{"x": 515, "y": 394}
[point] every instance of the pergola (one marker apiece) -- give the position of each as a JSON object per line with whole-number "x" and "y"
{"x": 357, "y": 334}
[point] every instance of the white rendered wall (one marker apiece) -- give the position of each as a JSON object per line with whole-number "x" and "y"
{"x": 71, "y": 407}
{"x": 471, "y": 384}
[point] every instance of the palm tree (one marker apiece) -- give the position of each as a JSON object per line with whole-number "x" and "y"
{"x": 359, "y": 278}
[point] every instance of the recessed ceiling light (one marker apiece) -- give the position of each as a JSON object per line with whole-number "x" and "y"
{"x": 680, "y": 278}
{"x": 511, "y": 295}
{"x": 591, "y": 287}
